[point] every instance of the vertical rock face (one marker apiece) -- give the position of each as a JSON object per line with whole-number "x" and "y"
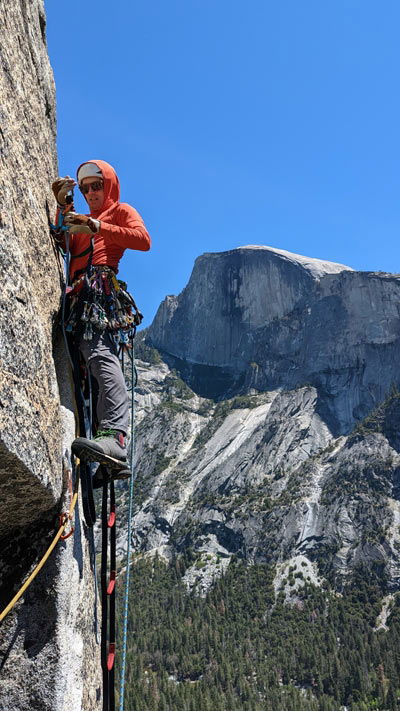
{"x": 257, "y": 317}
{"x": 30, "y": 286}
{"x": 47, "y": 650}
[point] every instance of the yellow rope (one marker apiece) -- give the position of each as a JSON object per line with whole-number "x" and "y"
{"x": 47, "y": 554}
{"x": 62, "y": 526}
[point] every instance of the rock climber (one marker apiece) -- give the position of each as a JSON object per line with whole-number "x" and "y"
{"x": 100, "y": 310}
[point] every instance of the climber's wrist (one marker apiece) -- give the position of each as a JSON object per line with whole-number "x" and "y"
{"x": 95, "y": 225}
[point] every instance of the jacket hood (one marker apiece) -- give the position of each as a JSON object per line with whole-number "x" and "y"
{"x": 111, "y": 188}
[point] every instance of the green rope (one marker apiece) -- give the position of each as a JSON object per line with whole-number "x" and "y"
{"x": 128, "y": 551}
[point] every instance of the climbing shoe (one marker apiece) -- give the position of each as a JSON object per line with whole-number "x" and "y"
{"x": 104, "y": 475}
{"x": 108, "y": 447}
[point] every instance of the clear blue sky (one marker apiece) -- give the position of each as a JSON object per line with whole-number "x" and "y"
{"x": 233, "y": 123}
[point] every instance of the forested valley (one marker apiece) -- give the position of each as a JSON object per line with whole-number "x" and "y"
{"x": 239, "y": 648}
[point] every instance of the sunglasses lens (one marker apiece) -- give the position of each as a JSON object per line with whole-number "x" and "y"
{"x": 97, "y": 185}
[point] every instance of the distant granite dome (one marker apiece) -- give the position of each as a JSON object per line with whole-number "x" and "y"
{"x": 263, "y": 318}
{"x": 230, "y": 294}
{"x": 316, "y": 267}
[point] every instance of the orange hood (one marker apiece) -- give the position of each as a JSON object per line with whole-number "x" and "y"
{"x": 111, "y": 189}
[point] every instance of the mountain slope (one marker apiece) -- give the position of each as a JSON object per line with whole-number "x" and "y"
{"x": 261, "y": 477}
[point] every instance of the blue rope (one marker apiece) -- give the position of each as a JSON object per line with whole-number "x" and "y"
{"x": 128, "y": 551}
{"x": 59, "y": 227}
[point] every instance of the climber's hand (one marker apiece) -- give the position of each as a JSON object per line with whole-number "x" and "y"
{"x": 81, "y": 223}
{"x": 61, "y": 187}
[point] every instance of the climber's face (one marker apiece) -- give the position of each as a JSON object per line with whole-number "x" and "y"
{"x": 93, "y": 191}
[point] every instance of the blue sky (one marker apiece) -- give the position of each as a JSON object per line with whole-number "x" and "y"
{"x": 234, "y": 123}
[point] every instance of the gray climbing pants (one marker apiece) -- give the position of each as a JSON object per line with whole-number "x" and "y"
{"x": 100, "y": 355}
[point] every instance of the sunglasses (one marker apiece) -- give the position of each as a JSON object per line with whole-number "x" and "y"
{"x": 96, "y": 186}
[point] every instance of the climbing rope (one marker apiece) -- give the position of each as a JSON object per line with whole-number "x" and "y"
{"x": 129, "y": 534}
{"x": 66, "y": 518}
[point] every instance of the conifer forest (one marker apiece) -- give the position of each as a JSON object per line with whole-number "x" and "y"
{"x": 241, "y": 649}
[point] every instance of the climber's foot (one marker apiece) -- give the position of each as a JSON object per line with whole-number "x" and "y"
{"x": 104, "y": 475}
{"x": 108, "y": 447}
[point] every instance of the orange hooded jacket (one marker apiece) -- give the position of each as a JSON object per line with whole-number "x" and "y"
{"x": 121, "y": 227}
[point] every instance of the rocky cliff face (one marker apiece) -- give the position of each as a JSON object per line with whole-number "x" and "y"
{"x": 47, "y": 649}
{"x": 262, "y": 477}
{"x": 299, "y": 469}
{"x": 261, "y": 318}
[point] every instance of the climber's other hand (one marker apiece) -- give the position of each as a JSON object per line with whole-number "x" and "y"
{"x": 61, "y": 187}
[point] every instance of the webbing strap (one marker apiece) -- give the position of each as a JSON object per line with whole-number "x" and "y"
{"x": 104, "y": 600}
{"x": 82, "y": 254}
{"x": 108, "y": 618}
{"x": 113, "y": 566}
